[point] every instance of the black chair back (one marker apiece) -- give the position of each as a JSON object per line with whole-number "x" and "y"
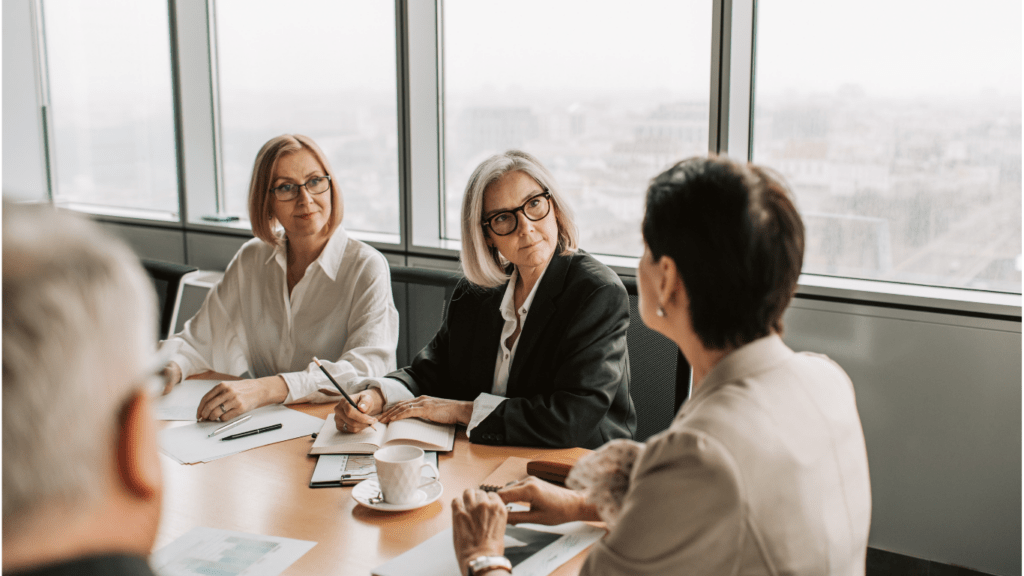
{"x": 659, "y": 380}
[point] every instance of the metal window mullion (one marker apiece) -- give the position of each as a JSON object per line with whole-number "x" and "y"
{"x": 402, "y": 101}
{"x": 219, "y": 190}
{"x": 718, "y": 117}
{"x": 179, "y": 157}
{"x": 732, "y": 46}
{"x": 198, "y": 141}
{"x": 43, "y": 92}
{"x": 423, "y": 92}
{"x": 442, "y": 212}
{"x": 741, "y": 43}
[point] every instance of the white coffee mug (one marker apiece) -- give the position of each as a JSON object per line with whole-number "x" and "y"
{"x": 399, "y": 472}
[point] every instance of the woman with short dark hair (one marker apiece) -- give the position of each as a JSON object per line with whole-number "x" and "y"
{"x": 764, "y": 469}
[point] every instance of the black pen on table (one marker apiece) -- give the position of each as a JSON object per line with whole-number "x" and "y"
{"x": 251, "y": 432}
{"x": 340, "y": 389}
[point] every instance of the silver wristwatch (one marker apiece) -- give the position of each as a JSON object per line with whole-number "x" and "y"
{"x": 482, "y": 564}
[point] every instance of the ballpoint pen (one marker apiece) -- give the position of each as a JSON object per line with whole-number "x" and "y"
{"x": 251, "y": 432}
{"x": 338, "y": 386}
{"x": 230, "y": 425}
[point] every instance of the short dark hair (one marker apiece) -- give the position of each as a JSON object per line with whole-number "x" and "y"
{"x": 736, "y": 239}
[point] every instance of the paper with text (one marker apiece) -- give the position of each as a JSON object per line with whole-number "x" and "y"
{"x": 203, "y": 551}
{"x": 534, "y": 550}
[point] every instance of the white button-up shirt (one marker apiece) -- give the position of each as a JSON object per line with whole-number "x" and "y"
{"x": 341, "y": 311}
{"x": 484, "y": 404}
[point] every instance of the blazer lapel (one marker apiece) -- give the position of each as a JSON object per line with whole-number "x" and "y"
{"x": 486, "y": 334}
{"x": 541, "y": 311}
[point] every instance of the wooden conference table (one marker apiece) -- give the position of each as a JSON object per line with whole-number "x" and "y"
{"x": 266, "y": 491}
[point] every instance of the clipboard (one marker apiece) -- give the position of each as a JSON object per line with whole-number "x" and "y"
{"x": 340, "y": 470}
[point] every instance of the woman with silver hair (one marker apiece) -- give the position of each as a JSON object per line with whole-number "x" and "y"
{"x": 532, "y": 349}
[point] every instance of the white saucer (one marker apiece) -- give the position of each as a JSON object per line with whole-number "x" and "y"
{"x": 369, "y": 488}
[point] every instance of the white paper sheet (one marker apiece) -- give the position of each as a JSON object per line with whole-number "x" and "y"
{"x": 203, "y": 551}
{"x": 183, "y": 400}
{"x": 528, "y": 546}
{"x": 189, "y": 444}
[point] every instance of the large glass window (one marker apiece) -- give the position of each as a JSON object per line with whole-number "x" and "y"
{"x": 321, "y": 68}
{"x": 111, "y": 106}
{"x": 605, "y": 93}
{"x": 898, "y": 124}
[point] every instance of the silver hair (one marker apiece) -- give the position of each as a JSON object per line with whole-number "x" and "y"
{"x": 79, "y": 328}
{"x": 483, "y": 265}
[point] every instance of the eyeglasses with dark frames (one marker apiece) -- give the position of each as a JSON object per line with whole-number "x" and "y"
{"x": 505, "y": 222}
{"x": 315, "y": 185}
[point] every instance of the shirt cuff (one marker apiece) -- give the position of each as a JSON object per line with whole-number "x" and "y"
{"x": 393, "y": 390}
{"x": 306, "y": 387}
{"x": 186, "y": 366}
{"x": 482, "y": 407}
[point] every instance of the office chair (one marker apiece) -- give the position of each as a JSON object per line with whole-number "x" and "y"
{"x": 167, "y": 279}
{"x": 659, "y": 375}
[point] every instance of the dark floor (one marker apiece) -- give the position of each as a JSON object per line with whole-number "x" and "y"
{"x": 885, "y": 563}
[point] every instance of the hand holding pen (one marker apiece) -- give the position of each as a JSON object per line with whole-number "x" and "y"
{"x": 342, "y": 425}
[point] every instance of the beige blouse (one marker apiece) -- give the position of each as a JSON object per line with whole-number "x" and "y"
{"x": 763, "y": 471}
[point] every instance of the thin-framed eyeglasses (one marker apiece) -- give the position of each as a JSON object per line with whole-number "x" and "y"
{"x": 315, "y": 185}
{"x": 505, "y": 222}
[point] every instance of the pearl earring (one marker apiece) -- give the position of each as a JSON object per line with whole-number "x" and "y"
{"x": 661, "y": 312}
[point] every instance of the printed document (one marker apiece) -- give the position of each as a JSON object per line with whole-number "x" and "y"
{"x": 204, "y": 551}
{"x": 534, "y": 550}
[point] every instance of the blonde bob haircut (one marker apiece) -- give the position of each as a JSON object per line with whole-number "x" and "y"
{"x": 483, "y": 265}
{"x": 261, "y": 200}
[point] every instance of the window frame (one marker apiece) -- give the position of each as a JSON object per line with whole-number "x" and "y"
{"x": 420, "y": 100}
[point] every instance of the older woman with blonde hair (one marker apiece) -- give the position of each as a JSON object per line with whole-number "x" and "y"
{"x": 532, "y": 349}
{"x": 301, "y": 288}
{"x": 764, "y": 469}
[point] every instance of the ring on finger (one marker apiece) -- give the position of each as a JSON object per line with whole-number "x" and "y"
{"x": 344, "y": 426}
{"x": 222, "y": 410}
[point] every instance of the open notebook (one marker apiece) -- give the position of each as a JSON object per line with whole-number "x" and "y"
{"x": 411, "y": 432}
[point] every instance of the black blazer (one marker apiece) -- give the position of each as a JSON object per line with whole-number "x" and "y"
{"x": 569, "y": 381}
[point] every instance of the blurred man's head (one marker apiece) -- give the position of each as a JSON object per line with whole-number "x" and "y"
{"x": 79, "y": 448}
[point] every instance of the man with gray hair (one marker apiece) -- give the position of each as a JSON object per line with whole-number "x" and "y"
{"x": 81, "y": 477}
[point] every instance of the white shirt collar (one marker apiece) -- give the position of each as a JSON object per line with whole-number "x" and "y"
{"x": 507, "y": 302}
{"x": 329, "y": 260}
